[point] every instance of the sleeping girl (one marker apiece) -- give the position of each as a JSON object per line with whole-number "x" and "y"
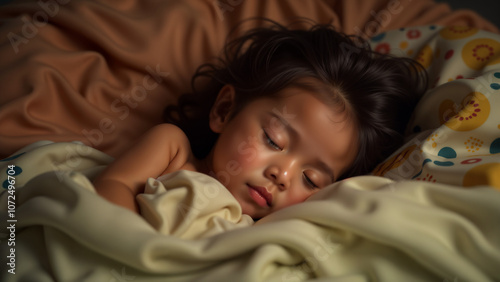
{"x": 283, "y": 114}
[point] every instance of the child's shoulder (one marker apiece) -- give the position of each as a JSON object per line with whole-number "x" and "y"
{"x": 167, "y": 132}
{"x": 173, "y": 139}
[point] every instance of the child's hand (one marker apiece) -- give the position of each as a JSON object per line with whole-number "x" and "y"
{"x": 163, "y": 149}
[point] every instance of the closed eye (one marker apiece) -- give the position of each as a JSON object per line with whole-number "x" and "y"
{"x": 271, "y": 143}
{"x": 309, "y": 182}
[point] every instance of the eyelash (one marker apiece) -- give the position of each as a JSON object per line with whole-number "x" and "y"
{"x": 275, "y": 146}
{"x": 309, "y": 182}
{"x": 271, "y": 143}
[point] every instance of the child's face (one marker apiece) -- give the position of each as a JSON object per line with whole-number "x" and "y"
{"x": 276, "y": 152}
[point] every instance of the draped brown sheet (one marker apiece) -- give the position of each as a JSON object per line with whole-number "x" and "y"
{"x": 102, "y": 71}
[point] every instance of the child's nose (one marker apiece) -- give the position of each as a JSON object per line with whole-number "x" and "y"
{"x": 280, "y": 174}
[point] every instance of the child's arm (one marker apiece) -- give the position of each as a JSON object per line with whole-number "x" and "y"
{"x": 165, "y": 148}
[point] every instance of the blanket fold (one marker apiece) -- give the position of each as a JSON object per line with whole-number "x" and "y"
{"x": 354, "y": 230}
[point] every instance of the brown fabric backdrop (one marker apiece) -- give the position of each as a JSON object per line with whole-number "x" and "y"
{"x": 102, "y": 71}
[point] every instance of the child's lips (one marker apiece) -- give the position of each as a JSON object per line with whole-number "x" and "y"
{"x": 260, "y": 195}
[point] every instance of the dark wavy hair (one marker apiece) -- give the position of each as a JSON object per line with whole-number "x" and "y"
{"x": 379, "y": 91}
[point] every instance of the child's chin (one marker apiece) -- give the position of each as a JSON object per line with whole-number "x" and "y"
{"x": 249, "y": 210}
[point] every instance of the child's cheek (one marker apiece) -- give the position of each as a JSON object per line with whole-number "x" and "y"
{"x": 296, "y": 197}
{"x": 248, "y": 151}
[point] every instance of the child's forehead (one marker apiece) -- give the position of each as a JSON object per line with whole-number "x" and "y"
{"x": 296, "y": 102}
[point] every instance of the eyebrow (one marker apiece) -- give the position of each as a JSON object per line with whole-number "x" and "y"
{"x": 292, "y": 131}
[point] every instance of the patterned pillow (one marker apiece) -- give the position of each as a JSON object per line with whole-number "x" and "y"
{"x": 454, "y": 135}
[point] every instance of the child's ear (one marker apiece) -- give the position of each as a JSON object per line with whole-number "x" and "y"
{"x": 222, "y": 108}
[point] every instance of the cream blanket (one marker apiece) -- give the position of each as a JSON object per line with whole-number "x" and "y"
{"x": 362, "y": 229}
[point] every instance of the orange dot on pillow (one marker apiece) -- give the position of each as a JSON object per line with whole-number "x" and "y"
{"x": 485, "y": 174}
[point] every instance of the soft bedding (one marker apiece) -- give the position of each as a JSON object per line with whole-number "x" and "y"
{"x": 362, "y": 229}
{"x": 455, "y": 131}
{"x": 428, "y": 213}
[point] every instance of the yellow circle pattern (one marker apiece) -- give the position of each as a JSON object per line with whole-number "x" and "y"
{"x": 485, "y": 174}
{"x": 457, "y": 32}
{"x": 466, "y": 50}
{"x": 481, "y": 52}
{"x": 475, "y": 111}
{"x": 395, "y": 161}
{"x": 425, "y": 56}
